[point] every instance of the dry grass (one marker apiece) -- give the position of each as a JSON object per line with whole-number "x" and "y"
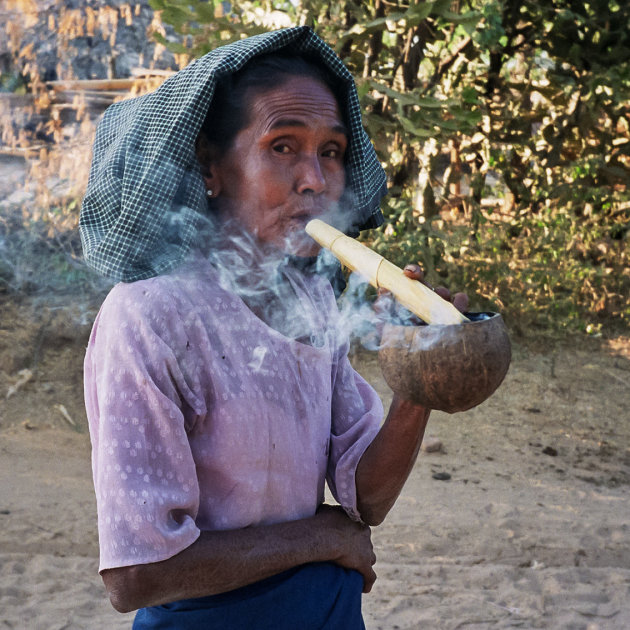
{"x": 51, "y": 126}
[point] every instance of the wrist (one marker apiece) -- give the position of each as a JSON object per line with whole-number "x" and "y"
{"x": 329, "y": 532}
{"x": 408, "y": 409}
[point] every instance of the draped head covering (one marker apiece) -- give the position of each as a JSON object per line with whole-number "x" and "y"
{"x": 145, "y": 201}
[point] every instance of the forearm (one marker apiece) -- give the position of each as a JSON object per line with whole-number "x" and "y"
{"x": 388, "y": 461}
{"x": 218, "y": 561}
{"x": 221, "y": 561}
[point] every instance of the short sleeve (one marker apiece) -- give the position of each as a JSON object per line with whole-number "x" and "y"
{"x": 144, "y": 475}
{"x": 357, "y": 413}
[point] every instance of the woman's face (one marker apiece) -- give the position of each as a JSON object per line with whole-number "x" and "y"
{"x": 286, "y": 166}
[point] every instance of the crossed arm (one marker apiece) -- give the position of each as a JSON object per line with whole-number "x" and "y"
{"x": 220, "y": 561}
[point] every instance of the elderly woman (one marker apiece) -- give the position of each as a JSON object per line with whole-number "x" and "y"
{"x": 218, "y": 388}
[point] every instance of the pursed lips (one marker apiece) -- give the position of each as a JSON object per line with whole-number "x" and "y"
{"x": 306, "y": 210}
{"x": 303, "y": 217}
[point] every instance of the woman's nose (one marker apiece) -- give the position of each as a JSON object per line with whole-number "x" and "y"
{"x": 310, "y": 176}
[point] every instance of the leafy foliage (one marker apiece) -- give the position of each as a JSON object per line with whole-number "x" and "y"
{"x": 504, "y": 128}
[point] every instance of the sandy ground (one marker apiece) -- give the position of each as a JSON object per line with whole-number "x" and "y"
{"x": 532, "y": 530}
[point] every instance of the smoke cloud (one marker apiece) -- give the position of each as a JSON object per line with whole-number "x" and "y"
{"x": 263, "y": 277}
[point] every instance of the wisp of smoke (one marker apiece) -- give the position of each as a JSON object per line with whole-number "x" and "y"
{"x": 259, "y": 275}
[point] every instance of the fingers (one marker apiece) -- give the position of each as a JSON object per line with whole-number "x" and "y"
{"x": 354, "y": 549}
{"x": 369, "y": 577}
{"x": 385, "y": 305}
{"x": 368, "y": 573}
{"x": 444, "y": 293}
{"x": 415, "y": 272}
{"x": 460, "y": 302}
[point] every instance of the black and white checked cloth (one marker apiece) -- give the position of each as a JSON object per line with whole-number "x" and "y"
{"x": 145, "y": 201}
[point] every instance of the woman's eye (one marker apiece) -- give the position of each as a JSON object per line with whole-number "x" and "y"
{"x": 332, "y": 153}
{"x": 281, "y": 148}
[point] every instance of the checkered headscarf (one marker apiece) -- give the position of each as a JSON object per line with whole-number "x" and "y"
{"x": 145, "y": 200}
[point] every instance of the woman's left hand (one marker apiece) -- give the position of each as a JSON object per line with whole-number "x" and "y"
{"x": 459, "y": 300}
{"x": 386, "y": 307}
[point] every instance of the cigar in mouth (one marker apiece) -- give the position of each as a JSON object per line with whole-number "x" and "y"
{"x": 381, "y": 273}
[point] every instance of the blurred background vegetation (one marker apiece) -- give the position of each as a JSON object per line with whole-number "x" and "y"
{"x": 503, "y": 125}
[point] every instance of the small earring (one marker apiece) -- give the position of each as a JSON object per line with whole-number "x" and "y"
{"x": 209, "y": 192}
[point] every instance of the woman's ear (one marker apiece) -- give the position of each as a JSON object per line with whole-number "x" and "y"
{"x": 207, "y": 158}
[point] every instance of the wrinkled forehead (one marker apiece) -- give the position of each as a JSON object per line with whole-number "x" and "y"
{"x": 298, "y": 101}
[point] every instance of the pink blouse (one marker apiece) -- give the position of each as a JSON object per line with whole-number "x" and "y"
{"x": 202, "y": 417}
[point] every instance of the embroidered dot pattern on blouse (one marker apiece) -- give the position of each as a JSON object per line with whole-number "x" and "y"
{"x": 202, "y": 417}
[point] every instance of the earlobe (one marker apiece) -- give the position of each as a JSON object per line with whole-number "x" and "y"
{"x": 206, "y": 156}
{"x": 212, "y": 184}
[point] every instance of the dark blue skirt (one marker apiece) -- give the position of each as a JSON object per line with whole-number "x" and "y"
{"x": 319, "y": 596}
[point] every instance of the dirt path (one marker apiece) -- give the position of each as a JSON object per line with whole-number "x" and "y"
{"x": 531, "y": 529}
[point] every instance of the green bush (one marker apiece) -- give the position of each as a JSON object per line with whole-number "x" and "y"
{"x": 504, "y": 128}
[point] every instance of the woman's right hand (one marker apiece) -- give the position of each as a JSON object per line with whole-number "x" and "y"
{"x": 352, "y": 542}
